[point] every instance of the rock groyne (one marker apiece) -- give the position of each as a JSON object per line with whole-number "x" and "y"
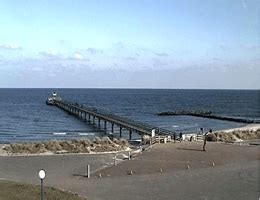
{"x": 207, "y": 114}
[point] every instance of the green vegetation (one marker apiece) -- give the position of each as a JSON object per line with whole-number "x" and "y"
{"x": 20, "y": 191}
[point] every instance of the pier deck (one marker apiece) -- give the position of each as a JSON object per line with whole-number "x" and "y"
{"x": 86, "y": 114}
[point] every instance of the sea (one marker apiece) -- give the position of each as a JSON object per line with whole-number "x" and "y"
{"x": 24, "y": 115}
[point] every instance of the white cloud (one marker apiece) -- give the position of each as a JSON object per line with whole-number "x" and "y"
{"x": 94, "y": 50}
{"x": 77, "y": 56}
{"x": 163, "y": 54}
{"x": 49, "y": 53}
{"x": 10, "y": 46}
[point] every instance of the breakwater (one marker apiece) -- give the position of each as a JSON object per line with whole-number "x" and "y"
{"x": 207, "y": 114}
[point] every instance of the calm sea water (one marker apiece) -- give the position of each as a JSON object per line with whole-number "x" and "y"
{"x": 25, "y": 116}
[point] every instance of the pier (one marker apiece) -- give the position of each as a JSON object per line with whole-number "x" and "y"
{"x": 102, "y": 119}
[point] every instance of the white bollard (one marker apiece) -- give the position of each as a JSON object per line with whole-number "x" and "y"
{"x": 129, "y": 155}
{"x": 115, "y": 160}
{"x": 88, "y": 171}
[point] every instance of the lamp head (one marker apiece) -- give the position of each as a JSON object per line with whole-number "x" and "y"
{"x": 42, "y": 174}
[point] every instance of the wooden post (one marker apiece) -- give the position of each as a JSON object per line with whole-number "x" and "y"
{"x": 120, "y": 131}
{"x": 105, "y": 125}
{"x": 98, "y": 122}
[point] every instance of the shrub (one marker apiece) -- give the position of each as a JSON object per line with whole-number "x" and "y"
{"x": 97, "y": 140}
{"x": 212, "y": 137}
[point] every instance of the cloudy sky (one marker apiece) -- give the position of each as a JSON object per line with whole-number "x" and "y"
{"x": 130, "y": 44}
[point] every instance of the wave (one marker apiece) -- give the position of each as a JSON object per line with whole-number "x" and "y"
{"x": 60, "y": 133}
{"x": 84, "y": 134}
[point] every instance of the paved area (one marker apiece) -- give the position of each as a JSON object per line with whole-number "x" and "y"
{"x": 235, "y": 174}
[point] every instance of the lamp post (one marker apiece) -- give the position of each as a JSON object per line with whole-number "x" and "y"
{"x": 42, "y": 176}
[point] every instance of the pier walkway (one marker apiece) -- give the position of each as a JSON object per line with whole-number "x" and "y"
{"x": 87, "y": 114}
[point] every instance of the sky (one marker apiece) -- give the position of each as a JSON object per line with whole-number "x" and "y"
{"x": 185, "y": 44}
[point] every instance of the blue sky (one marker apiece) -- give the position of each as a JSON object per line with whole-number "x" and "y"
{"x": 130, "y": 44}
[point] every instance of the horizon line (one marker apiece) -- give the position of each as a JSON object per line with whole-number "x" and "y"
{"x": 129, "y": 88}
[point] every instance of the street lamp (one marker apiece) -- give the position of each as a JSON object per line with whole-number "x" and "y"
{"x": 42, "y": 176}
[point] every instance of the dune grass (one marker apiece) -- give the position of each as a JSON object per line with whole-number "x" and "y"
{"x": 104, "y": 144}
{"x": 19, "y": 191}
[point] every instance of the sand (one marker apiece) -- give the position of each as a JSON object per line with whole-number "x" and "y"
{"x": 248, "y": 132}
{"x": 249, "y": 127}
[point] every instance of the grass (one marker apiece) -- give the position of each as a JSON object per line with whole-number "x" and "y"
{"x": 19, "y": 191}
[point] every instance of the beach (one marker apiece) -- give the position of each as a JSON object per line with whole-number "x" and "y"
{"x": 165, "y": 171}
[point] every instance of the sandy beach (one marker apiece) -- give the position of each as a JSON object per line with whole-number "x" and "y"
{"x": 249, "y": 127}
{"x": 166, "y": 171}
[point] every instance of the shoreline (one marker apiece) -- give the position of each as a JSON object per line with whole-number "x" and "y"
{"x": 229, "y": 134}
{"x": 240, "y": 134}
{"x": 253, "y": 126}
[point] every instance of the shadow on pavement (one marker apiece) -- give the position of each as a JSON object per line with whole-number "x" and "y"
{"x": 188, "y": 149}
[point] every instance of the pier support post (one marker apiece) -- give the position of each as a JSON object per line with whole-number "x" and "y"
{"x": 112, "y": 127}
{"x": 89, "y": 118}
{"x": 130, "y": 134}
{"x": 120, "y": 131}
{"x": 98, "y": 122}
{"x": 93, "y": 119}
{"x": 105, "y": 126}
{"x": 85, "y": 117}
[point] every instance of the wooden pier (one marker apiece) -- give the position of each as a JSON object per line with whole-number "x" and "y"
{"x": 91, "y": 114}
